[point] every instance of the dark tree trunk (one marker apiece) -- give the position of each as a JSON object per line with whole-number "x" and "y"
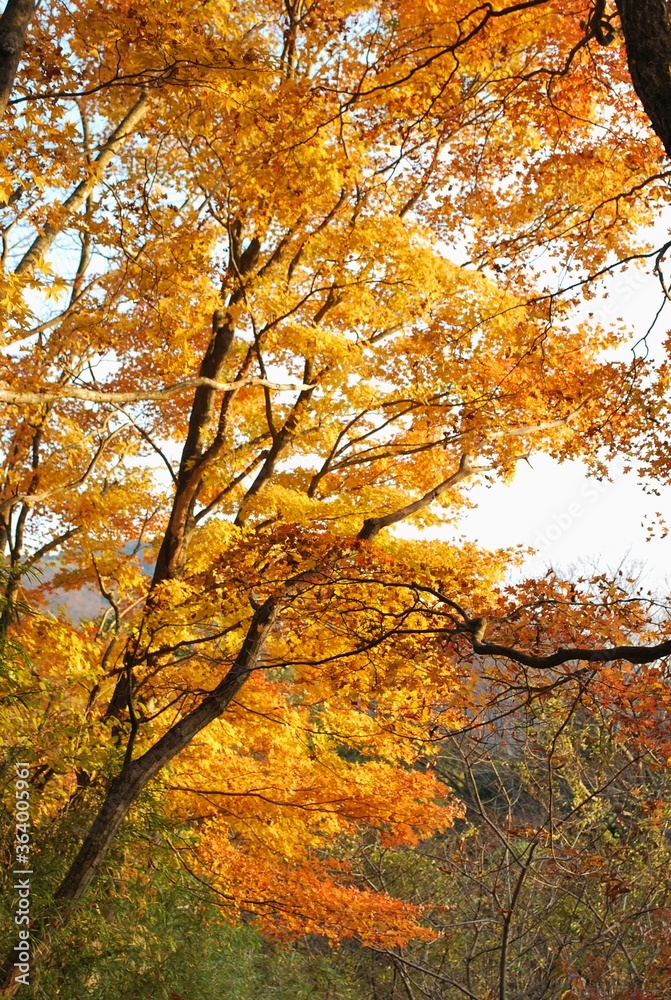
{"x": 646, "y": 25}
{"x": 196, "y": 457}
{"x": 13, "y": 27}
{"x": 128, "y": 785}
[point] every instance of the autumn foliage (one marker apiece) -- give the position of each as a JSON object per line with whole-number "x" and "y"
{"x": 276, "y": 278}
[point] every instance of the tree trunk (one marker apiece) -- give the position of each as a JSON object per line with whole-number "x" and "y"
{"x": 128, "y": 784}
{"x": 646, "y": 25}
{"x": 13, "y": 28}
{"x": 196, "y": 457}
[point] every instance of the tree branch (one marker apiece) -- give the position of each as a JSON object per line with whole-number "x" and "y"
{"x": 139, "y": 396}
{"x": 373, "y": 525}
{"x": 42, "y": 243}
{"x": 32, "y": 499}
{"x": 50, "y": 546}
{"x": 630, "y": 654}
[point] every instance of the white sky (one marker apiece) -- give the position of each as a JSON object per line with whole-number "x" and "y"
{"x": 572, "y": 519}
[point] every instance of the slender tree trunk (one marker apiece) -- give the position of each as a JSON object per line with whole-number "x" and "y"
{"x": 13, "y": 29}
{"x": 43, "y": 243}
{"x": 196, "y": 455}
{"x": 132, "y": 779}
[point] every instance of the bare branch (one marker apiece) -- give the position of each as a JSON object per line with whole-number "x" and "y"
{"x": 32, "y": 499}
{"x": 42, "y": 243}
{"x": 140, "y": 396}
{"x": 107, "y": 594}
{"x": 50, "y": 546}
{"x": 373, "y": 525}
{"x": 630, "y": 654}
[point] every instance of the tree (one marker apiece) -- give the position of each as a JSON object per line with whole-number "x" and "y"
{"x": 294, "y": 256}
{"x": 555, "y": 882}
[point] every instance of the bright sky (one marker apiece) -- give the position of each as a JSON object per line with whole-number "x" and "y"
{"x": 572, "y": 519}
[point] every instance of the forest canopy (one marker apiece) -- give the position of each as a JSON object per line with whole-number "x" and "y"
{"x": 278, "y": 277}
